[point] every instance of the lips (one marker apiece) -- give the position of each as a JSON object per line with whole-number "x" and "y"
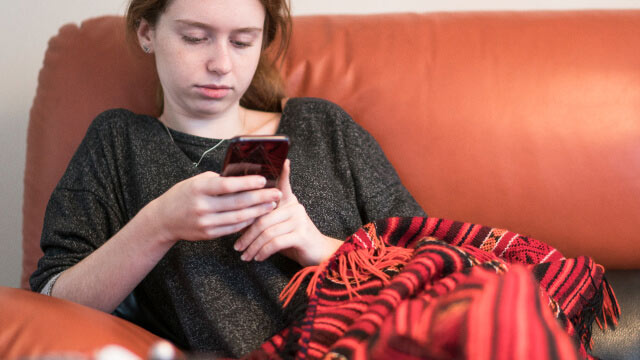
{"x": 214, "y": 91}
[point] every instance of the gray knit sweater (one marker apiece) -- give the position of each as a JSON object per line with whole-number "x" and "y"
{"x": 203, "y": 295}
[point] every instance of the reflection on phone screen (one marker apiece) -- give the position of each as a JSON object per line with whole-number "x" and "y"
{"x": 257, "y": 156}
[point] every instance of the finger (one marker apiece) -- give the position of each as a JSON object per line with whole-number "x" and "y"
{"x": 265, "y": 237}
{"x": 208, "y": 174}
{"x": 282, "y": 242}
{"x": 241, "y": 200}
{"x": 276, "y": 216}
{"x": 237, "y": 216}
{"x": 284, "y": 183}
{"x": 220, "y": 185}
{"x": 219, "y": 231}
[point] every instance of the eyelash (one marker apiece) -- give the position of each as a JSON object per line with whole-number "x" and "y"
{"x": 240, "y": 44}
{"x": 195, "y": 40}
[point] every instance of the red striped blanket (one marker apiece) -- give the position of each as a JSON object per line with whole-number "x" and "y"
{"x": 428, "y": 288}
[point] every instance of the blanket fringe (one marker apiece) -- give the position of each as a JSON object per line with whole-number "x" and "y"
{"x": 349, "y": 266}
{"x": 610, "y": 313}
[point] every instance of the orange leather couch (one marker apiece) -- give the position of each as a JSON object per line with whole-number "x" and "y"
{"x": 523, "y": 120}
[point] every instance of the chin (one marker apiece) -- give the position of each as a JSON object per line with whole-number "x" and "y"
{"x": 210, "y": 108}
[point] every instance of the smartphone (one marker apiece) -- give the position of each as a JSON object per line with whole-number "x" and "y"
{"x": 256, "y": 155}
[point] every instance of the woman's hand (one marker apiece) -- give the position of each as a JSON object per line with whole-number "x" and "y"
{"x": 208, "y": 206}
{"x": 289, "y": 229}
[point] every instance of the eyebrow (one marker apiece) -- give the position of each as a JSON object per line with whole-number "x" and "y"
{"x": 207, "y": 27}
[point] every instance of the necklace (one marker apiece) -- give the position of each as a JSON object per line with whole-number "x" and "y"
{"x": 195, "y": 164}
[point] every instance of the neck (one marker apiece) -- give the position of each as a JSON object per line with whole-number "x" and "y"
{"x": 220, "y": 126}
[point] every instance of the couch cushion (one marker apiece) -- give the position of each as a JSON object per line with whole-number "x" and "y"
{"x": 34, "y": 325}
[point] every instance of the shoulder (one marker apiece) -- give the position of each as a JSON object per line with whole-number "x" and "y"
{"x": 317, "y": 114}
{"x": 315, "y": 107}
{"x": 319, "y": 119}
{"x": 118, "y": 123}
{"x": 113, "y": 118}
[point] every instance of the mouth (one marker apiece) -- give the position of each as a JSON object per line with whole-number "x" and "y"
{"x": 214, "y": 86}
{"x": 214, "y": 91}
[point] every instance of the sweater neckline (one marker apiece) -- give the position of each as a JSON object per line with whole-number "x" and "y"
{"x": 185, "y": 138}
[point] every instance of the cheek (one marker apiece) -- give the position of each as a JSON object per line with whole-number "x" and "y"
{"x": 166, "y": 72}
{"x": 172, "y": 66}
{"x": 250, "y": 64}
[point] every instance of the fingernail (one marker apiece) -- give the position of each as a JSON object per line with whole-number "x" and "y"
{"x": 244, "y": 257}
{"x": 273, "y": 204}
{"x": 236, "y": 247}
{"x": 263, "y": 180}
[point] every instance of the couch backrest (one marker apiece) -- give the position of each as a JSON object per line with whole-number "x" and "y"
{"x": 523, "y": 120}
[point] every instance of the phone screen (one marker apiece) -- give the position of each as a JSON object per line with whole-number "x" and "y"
{"x": 256, "y": 155}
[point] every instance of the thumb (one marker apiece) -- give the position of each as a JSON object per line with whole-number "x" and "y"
{"x": 283, "y": 182}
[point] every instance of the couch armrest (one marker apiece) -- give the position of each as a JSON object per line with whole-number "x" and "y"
{"x": 34, "y": 325}
{"x": 624, "y": 342}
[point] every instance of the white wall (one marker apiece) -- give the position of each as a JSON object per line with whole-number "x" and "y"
{"x": 26, "y": 26}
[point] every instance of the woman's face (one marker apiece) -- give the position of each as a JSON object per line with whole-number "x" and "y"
{"x": 207, "y": 52}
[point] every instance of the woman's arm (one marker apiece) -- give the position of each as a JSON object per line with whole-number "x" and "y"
{"x": 103, "y": 279}
{"x": 200, "y": 208}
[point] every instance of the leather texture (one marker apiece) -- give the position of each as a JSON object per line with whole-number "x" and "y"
{"x": 624, "y": 342}
{"x": 35, "y": 325}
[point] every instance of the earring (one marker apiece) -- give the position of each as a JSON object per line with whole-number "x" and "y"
{"x": 146, "y": 49}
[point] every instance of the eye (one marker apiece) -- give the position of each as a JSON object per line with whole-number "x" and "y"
{"x": 241, "y": 44}
{"x": 193, "y": 40}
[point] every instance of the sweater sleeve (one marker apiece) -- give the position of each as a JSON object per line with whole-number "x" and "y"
{"x": 379, "y": 191}
{"x": 82, "y": 212}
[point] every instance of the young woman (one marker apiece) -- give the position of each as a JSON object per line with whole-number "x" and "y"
{"x": 206, "y": 256}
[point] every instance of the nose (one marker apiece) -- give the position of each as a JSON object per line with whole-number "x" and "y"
{"x": 219, "y": 60}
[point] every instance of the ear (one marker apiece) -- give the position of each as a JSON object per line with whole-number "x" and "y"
{"x": 145, "y": 35}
